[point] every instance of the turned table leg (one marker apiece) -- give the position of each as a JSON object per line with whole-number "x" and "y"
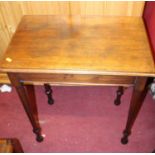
{"x": 28, "y": 102}
{"x": 119, "y": 93}
{"x": 138, "y": 96}
{"x": 48, "y": 91}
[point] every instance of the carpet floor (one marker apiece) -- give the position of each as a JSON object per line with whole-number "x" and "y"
{"x": 83, "y": 119}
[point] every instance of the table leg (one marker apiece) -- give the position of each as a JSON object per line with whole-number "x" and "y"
{"x": 27, "y": 102}
{"x": 119, "y": 92}
{"x": 31, "y": 94}
{"x": 49, "y": 92}
{"x": 138, "y": 96}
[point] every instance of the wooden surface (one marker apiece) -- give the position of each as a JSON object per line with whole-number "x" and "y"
{"x": 10, "y": 145}
{"x": 71, "y": 80}
{"x": 6, "y": 146}
{"x": 4, "y": 78}
{"x": 80, "y": 45}
{"x": 76, "y": 80}
{"x": 12, "y": 12}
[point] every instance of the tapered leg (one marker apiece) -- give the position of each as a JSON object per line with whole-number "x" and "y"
{"x": 119, "y": 92}
{"x": 138, "y": 96}
{"x": 31, "y": 94}
{"x": 49, "y": 92}
{"x": 27, "y": 102}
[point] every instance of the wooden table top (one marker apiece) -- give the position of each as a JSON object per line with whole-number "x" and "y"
{"x": 80, "y": 44}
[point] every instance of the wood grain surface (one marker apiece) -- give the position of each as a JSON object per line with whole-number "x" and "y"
{"x": 5, "y": 146}
{"x": 80, "y": 45}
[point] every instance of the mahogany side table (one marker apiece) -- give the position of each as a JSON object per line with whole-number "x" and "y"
{"x": 79, "y": 50}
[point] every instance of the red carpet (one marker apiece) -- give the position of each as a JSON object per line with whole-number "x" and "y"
{"x": 83, "y": 119}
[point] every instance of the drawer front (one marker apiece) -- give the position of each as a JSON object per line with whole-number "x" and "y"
{"x": 75, "y": 79}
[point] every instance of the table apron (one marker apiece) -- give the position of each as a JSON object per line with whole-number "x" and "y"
{"x": 75, "y": 79}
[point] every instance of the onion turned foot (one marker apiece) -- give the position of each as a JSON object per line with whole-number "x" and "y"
{"x": 39, "y": 138}
{"x": 124, "y": 139}
{"x": 119, "y": 93}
